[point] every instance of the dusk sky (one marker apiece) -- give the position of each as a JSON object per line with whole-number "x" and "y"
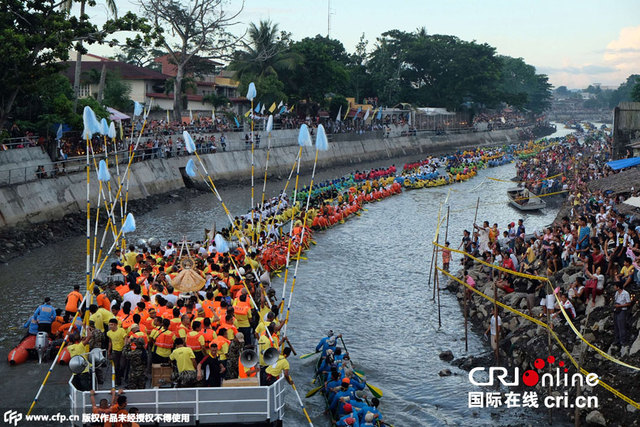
{"x": 575, "y": 42}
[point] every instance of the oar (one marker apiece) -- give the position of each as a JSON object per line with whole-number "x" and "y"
{"x": 308, "y": 355}
{"x": 374, "y": 390}
{"x": 313, "y": 391}
{"x": 301, "y": 404}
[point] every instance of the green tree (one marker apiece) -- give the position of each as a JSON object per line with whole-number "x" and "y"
{"x": 635, "y": 92}
{"x": 216, "y": 100}
{"x": 140, "y": 56}
{"x": 267, "y": 53}
{"x": 445, "y": 71}
{"x": 322, "y": 71}
{"x": 338, "y": 103}
{"x": 361, "y": 82}
{"x": 562, "y": 91}
{"x": 67, "y": 6}
{"x": 623, "y": 92}
{"x": 521, "y": 87}
{"x": 117, "y": 93}
{"x": 386, "y": 64}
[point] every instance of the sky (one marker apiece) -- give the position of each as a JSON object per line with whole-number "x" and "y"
{"x": 574, "y": 42}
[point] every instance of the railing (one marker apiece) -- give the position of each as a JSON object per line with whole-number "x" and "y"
{"x": 19, "y": 142}
{"x": 77, "y": 164}
{"x": 203, "y": 405}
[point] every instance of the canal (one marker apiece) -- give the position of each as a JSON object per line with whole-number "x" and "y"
{"x": 366, "y": 279}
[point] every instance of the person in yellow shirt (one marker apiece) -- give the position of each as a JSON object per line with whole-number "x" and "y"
{"x": 626, "y": 273}
{"x": 116, "y": 343}
{"x": 106, "y": 316}
{"x": 242, "y": 310}
{"x": 79, "y": 347}
{"x": 281, "y": 366}
{"x": 185, "y": 364}
{"x": 130, "y": 257}
{"x": 96, "y": 317}
{"x": 163, "y": 343}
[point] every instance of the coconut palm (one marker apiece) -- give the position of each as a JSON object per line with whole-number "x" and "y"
{"x": 66, "y": 6}
{"x": 265, "y": 54}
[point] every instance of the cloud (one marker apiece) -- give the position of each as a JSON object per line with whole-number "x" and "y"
{"x": 584, "y": 69}
{"x": 620, "y": 58}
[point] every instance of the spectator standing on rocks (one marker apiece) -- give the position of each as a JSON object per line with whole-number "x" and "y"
{"x": 622, "y": 302}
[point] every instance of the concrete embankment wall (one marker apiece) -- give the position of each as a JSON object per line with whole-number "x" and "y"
{"x": 50, "y": 199}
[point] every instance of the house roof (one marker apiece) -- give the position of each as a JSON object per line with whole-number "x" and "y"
{"x": 126, "y": 71}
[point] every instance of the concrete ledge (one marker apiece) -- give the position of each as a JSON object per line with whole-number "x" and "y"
{"x": 49, "y": 199}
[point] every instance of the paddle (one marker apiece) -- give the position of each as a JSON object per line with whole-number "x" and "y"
{"x": 308, "y": 355}
{"x": 374, "y": 390}
{"x": 313, "y": 391}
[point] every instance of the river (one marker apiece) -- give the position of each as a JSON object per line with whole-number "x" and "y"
{"x": 366, "y": 279}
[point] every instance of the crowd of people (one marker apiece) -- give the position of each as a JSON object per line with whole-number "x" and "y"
{"x": 343, "y": 388}
{"x": 594, "y": 237}
{"x": 140, "y": 318}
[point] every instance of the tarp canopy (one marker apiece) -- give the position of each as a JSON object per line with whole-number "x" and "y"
{"x": 115, "y": 115}
{"x": 633, "y": 201}
{"x": 624, "y": 163}
{"x": 435, "y": 111}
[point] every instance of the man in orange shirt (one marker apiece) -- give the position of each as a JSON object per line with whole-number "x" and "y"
{"x": 73, "y": 301}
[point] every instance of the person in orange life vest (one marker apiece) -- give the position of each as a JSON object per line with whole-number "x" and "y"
{"x": 207, "y": 332}
{"x": 175, "y": 320}
{"x": 163, "y": 344}
{"x": 195, "y": 340}
{"x": 101, "y": 298}
{"x": 122, "y": 288}
{"x": 242, "y": 311}
{"x": 125, "y": 316}
{"x": 136, "y": 333}
{"x": 446, "y": 257}
{"x": 58, "y": 321}
{"x": 229, "y": 323}
{"x": 184, "y": 327}
{"x": 72, "y": 303}
{"x": 155, "y": 330}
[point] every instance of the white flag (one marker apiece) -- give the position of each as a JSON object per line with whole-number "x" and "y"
{"x": 280, "y": 105}
{"x": 262, "y": 111}
{"x": 366, "y": 116}
{"x": 190, "y": 116}
{"x": 339, "y": 116}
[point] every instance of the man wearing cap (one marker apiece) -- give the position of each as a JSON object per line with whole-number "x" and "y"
{"x": 233, "y": 356}
{"x": 345, "y": 394}
{"x": 371, "y": 409}
{"x": 349, "y": 418}
{"x": 44, "y": 316}
{"x": 321, "y": 344}
{"x": 134, "y": 353}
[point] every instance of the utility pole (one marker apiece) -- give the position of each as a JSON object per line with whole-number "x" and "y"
{"x": 328, "y": 18}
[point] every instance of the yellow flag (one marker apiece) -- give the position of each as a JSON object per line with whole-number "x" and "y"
{"x": 273, "y": 107}
{"x": 291, "y": 109}
{"x": 347, "y": 113}
{"x": 247, "y": 113}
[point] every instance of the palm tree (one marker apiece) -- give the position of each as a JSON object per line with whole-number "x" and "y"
{"x": 66, "y": 6}
{"x": 265, "y": 54}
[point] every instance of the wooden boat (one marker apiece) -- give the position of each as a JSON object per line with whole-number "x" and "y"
{"x": 320, "y": 380}
{"x": 522, "y": 199}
